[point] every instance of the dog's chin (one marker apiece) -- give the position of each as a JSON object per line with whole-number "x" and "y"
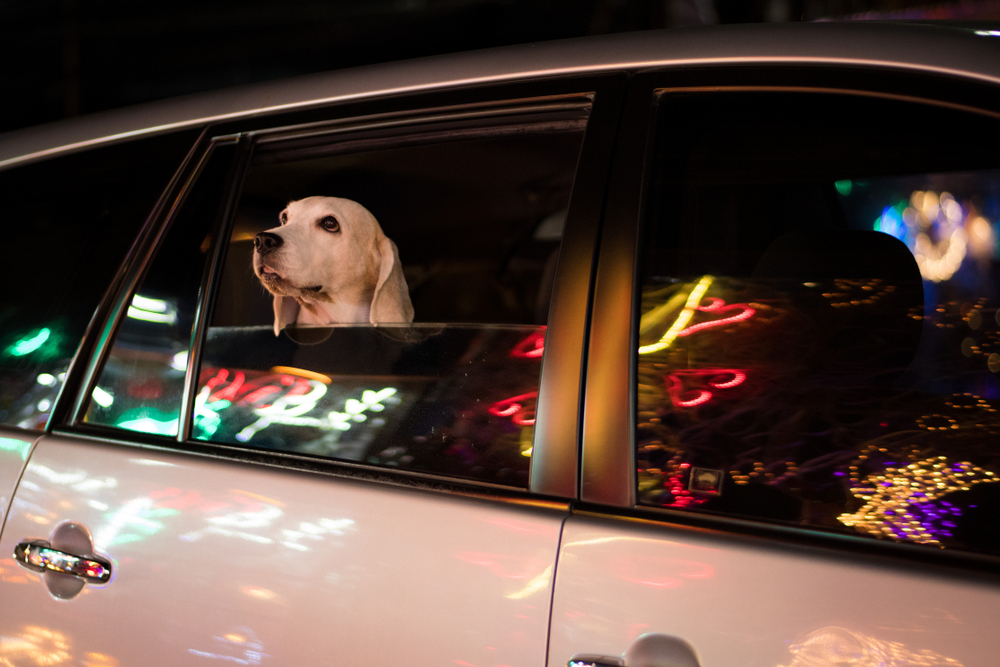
{"x": 279, "y": 286}
{"x": 275, "y": 284}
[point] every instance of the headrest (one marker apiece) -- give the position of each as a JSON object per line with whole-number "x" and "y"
{"x": 862, "y": 292}
{"x": 826, "y": 255}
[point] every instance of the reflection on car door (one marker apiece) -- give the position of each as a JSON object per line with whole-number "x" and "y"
{"x": 216, "y": 560}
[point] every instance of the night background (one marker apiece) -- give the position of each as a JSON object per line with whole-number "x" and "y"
{"x": 63, "y": 58}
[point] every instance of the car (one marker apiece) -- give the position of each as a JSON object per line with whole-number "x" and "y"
{"x": 703, "y": 364}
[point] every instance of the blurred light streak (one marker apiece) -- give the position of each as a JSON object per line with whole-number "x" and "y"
{"x": 694, "y": 298}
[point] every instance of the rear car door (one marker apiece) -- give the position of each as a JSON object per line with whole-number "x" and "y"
{"x": 790, "y": 454}
{"x": 366, "y": 494}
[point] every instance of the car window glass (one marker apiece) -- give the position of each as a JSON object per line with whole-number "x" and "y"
{"x": 68, "y": 223}
{"x": 818, "y": 332}
{"x": 141, "y": 385}
{"x": 421, "y": 353}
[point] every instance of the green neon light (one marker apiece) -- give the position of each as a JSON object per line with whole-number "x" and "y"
{"x": 150, "y": 425}
{"x": 30, "y": 344}
{"x": 149, "y": 420}
{"x": 844, "y": 187}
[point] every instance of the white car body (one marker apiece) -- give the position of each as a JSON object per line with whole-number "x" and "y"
{"x": 219, "y": 557}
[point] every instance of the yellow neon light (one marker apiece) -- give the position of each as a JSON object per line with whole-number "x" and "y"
{"x": 682, "y": 320}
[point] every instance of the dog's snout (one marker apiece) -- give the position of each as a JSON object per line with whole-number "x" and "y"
{"x": 266, "y": 242}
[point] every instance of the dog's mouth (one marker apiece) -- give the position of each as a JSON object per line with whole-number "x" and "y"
{"x": 268, "y": 274}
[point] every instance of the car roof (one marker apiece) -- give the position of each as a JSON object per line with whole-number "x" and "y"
{"x": 960, "y": 50}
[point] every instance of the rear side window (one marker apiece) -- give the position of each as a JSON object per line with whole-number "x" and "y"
{"x": 394, "y": 313}
{"x": 68, "y": 222}
{"x": 818, "y": 333}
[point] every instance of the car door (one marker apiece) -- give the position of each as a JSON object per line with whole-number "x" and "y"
{"x": 790, "y": 454}
{"x": 220, "y": 488}
{"x": 68, "y": 228}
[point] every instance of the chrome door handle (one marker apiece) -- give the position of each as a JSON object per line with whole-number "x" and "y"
{"x": 584, "y": 660}
{"x": 650, "y": 650}
{"x": 39, "y": 556}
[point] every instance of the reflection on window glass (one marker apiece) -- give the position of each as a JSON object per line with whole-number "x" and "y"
{"x": 449, "y": 399}
{"x": 384, "y": 300}
{"x": 830, "y": 360}
{"x": 64, "y": 251}
{"x": 141, "y": 385}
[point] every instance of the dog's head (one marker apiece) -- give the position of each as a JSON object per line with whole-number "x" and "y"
{"x": 330, "y": 256}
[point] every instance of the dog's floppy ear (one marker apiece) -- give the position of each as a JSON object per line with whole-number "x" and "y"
{"x": 286, "y": 311}
{"x": 391, "y": 302}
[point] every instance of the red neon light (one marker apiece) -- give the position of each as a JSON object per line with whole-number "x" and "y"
{"x": 253, "y": 392}
{"x": 747, "y": 313}
{"x": 229, "y": 393}
{"x": 531, "y": 347}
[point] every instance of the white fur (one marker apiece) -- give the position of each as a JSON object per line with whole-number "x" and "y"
{"x": 318, "y": 276}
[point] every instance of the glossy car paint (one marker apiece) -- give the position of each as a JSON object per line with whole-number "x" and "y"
{"x": 15, "y": 446}
{"x": 218, "y": 562}
{"x": 754, "y": 603}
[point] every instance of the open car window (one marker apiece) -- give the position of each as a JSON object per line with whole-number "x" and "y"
{"x": 69, "y": 223}
{"x": 818, "y": 332}
{"x": 384, "y": 295}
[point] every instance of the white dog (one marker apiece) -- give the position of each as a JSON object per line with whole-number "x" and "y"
{"x": 329, "y": 263}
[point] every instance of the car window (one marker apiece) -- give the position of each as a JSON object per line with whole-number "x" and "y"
{"x": 141, "y": 385}
{"x": 385, "y": 295}
{"x": 818, "y": 331}
{"x": 68, "y": 221}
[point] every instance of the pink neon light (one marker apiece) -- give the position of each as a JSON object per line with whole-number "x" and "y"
{"x": 260, "y": 393}
{"x": 715, "y": 305}
{"x": 531, "y": 347}
{"x": 513, "y": 407}
{"x": 715, "y": 378}
{"x": 745, "y": 315}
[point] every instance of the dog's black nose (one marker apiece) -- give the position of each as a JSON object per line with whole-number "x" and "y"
{"x": 266, "y": 242}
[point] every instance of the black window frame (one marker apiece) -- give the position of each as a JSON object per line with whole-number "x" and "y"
{"x": 554, "y": 467}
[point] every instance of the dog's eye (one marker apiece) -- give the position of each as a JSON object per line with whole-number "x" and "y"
{"x": 330, "y": 224}
{"x": 283, "y": 218}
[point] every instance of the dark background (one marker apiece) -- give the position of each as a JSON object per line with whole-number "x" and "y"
{"x": 61, "y": 58}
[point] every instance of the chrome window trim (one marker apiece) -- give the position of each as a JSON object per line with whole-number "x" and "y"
{"x": 210, "y": 281}
{"x": 402, "y": 119}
